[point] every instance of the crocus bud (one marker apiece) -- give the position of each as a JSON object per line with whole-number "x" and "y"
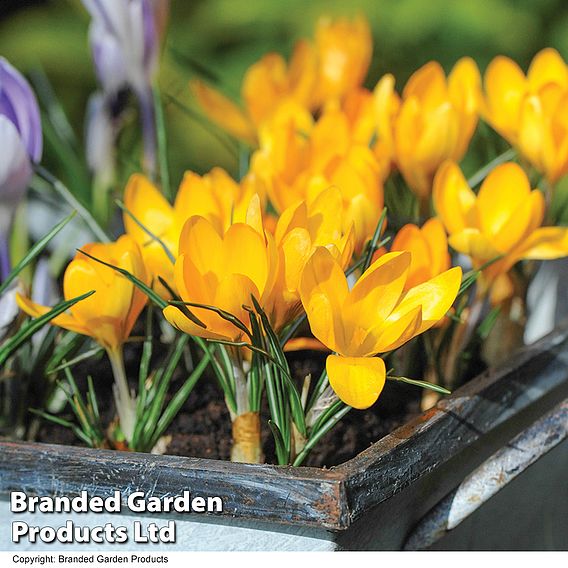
{"x": 19, "y": 105}
{"x": 20, "y": 143}
{"x": 124, "y": 37}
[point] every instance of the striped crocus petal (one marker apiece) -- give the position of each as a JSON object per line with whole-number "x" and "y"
{"x": 19, "y": 105}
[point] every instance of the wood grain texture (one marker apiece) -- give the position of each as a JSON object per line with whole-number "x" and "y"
{"x": 460, "y": 432}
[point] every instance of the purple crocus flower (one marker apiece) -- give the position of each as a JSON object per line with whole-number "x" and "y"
{"x": 21, "y": 143}
{"x": 124, "y": 36}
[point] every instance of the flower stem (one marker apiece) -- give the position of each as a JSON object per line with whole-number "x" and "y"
{"x": 125, "y": 403}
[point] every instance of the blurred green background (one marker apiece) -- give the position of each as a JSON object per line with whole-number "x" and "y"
{"x": 219, "y": 39}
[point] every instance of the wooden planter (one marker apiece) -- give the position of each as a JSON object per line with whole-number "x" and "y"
{"x": 411, "y": 489}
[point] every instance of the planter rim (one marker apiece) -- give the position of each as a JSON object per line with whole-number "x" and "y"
{"x": 330, "y": 498}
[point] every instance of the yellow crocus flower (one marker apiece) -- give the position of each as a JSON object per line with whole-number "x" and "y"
{"x": 531, "y": 111}
{"x": 343, "y": 49}
{"x": 376, "y": 316}
{"x": 214, "y": 196}
{"x": 428, "y": 246}
{"x": 222, "y": 269}
{"x": 300, "y": 229}
{"x": 267, "y": 84}
{"x": 503, "y": 220}
{"x": 110, "y": 313}
{"x": 433, "y": 120}
{"x": 318, "y": 74}
{"x": 298, "y": 159}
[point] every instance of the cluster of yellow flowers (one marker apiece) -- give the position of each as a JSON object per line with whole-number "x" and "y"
{"x": 323, "y": 148}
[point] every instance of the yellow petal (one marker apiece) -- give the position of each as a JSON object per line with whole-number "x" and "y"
{"x": 178, "y": 320}
{"x": 545, "y": 243}
{"x": 323, "y": 289}
{"x": 202, "y": 243}
{"x": 435, "y": 235}
{"x": 302, "y": 70}
{"x": 245, "y": 252}
{"x": 410, "y": 238}
{"x": 81, "y": 276}
{"x": 304, "y": 344}
{"x": 254, "y": 215}
{"x": 326, "y": 217}
{"x": 505, "y": 86}
{"x": 234, "y": 291}
{"x": 454, "y": 200}
{"x": 547, "y": 67}
{"x": 520, "y": 223}
{"x": 396, "y": 332}
{"x": 435, "y": 298}
{"x": 474, "y": 243}
{"x": 386, "y": 106}
{"x": 143, "y": 199}
{"x": 357, "y": 381}
{"x": 330, "y": 136}
{"x": 379, "y": 289}
{"x": 65, "y": 321}
{"x": 533, "y": 132}
{"x": 224, "y": 112}
{"x": 344, "y": 50}
{"x": 427, "y": 84}
{"x": 502, "y": 191}
{"x": 265, "y": 83}
{"x": 213, "y": 196}
{"x": 296, "y": 247}
{"x": 194, "y": 285}
{"x": 464, "y": 86}
{"x": 291, "y": 218}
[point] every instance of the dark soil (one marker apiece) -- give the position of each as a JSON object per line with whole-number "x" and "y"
{"x": 203, "y": 427}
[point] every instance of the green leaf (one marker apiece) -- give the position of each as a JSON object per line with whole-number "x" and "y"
{"x": 227, "y": 143}
{"x": 319, "y": 387}
{"x": 161, "y": 388}
{"x": 326, "y": 415}
{"x": 178, "y": 400}
{"x": 322, "y": 431}
{"x": 487, "y": 324}
{"x": 291, "y": 330}
{"x": 31, "y": 327}
{"x": 83, "y": 357}
{"x": 277, "y": 352}
{"x": 161, "y": 138}
{"x": 373, "y": 244}
{"x": 281, "y": 452}
{"x": 482, "y": 173}
{"x": 469, "y": 278}
{"x": 70, "y": 343}
{"x": 73, "y": 202}
{"x": 35, "y": 251}
{"x": 92, "y": 399}
{"x": 160, "y": 302}
{"x": 421, "y": 384}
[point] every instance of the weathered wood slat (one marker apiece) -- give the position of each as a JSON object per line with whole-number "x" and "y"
{"x": 534, "y": 381}
{"x": 486, "y": 412}
{"x": 261, "y": 492}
